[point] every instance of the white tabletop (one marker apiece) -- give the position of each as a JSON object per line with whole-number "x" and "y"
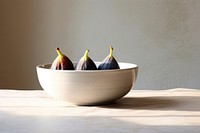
{"x": 141, "y": 111}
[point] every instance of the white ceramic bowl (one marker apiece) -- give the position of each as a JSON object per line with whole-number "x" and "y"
{"x": 88, "y": 87}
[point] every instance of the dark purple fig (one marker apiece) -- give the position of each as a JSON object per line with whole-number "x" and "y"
{"x": 86, "y": 63}
{"x": 109, "y": 62}
{"x": 62, "y": 62}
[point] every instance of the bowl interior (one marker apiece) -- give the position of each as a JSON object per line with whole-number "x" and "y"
{"x": 123, "y": 66}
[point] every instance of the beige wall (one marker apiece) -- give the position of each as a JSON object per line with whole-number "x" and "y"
{"x": 161, "y": 36}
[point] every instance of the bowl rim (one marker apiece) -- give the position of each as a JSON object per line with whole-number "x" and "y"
{"x": 131, "y": 66}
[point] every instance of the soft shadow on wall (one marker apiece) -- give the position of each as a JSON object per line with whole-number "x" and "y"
{"x": 29, "y": 32}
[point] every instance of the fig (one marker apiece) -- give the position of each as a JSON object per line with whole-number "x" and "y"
{"x": 109, "y": 62}
{"x": 86, "y": 63}
{"x": 62, "y": 62}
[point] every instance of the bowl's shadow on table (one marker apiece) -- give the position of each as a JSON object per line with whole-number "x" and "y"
{"x": 180, "y": 103}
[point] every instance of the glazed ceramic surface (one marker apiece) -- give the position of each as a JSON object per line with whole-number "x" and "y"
{"x": 88, "y": 87}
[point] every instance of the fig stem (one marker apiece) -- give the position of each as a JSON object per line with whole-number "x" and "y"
{"x": 86, "y": 54}
{"x": 59, "y": 52}
{"x": 111, "y": 51}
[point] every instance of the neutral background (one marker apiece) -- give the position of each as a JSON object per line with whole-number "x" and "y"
{"x": 161, "y": 36}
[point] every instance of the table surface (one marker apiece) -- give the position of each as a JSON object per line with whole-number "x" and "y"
{"x": 140, "y": 111}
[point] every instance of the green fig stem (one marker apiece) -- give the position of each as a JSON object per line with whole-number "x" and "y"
{"x": 111, "y": 51}
{"x": 86, "y": 55}
{"x": 59, "y": 52}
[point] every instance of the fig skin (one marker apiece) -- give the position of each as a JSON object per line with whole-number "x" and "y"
{"x": 62, "y": 62}
{"x": 109, "y": 62}
{"x": 86, "y": 63}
